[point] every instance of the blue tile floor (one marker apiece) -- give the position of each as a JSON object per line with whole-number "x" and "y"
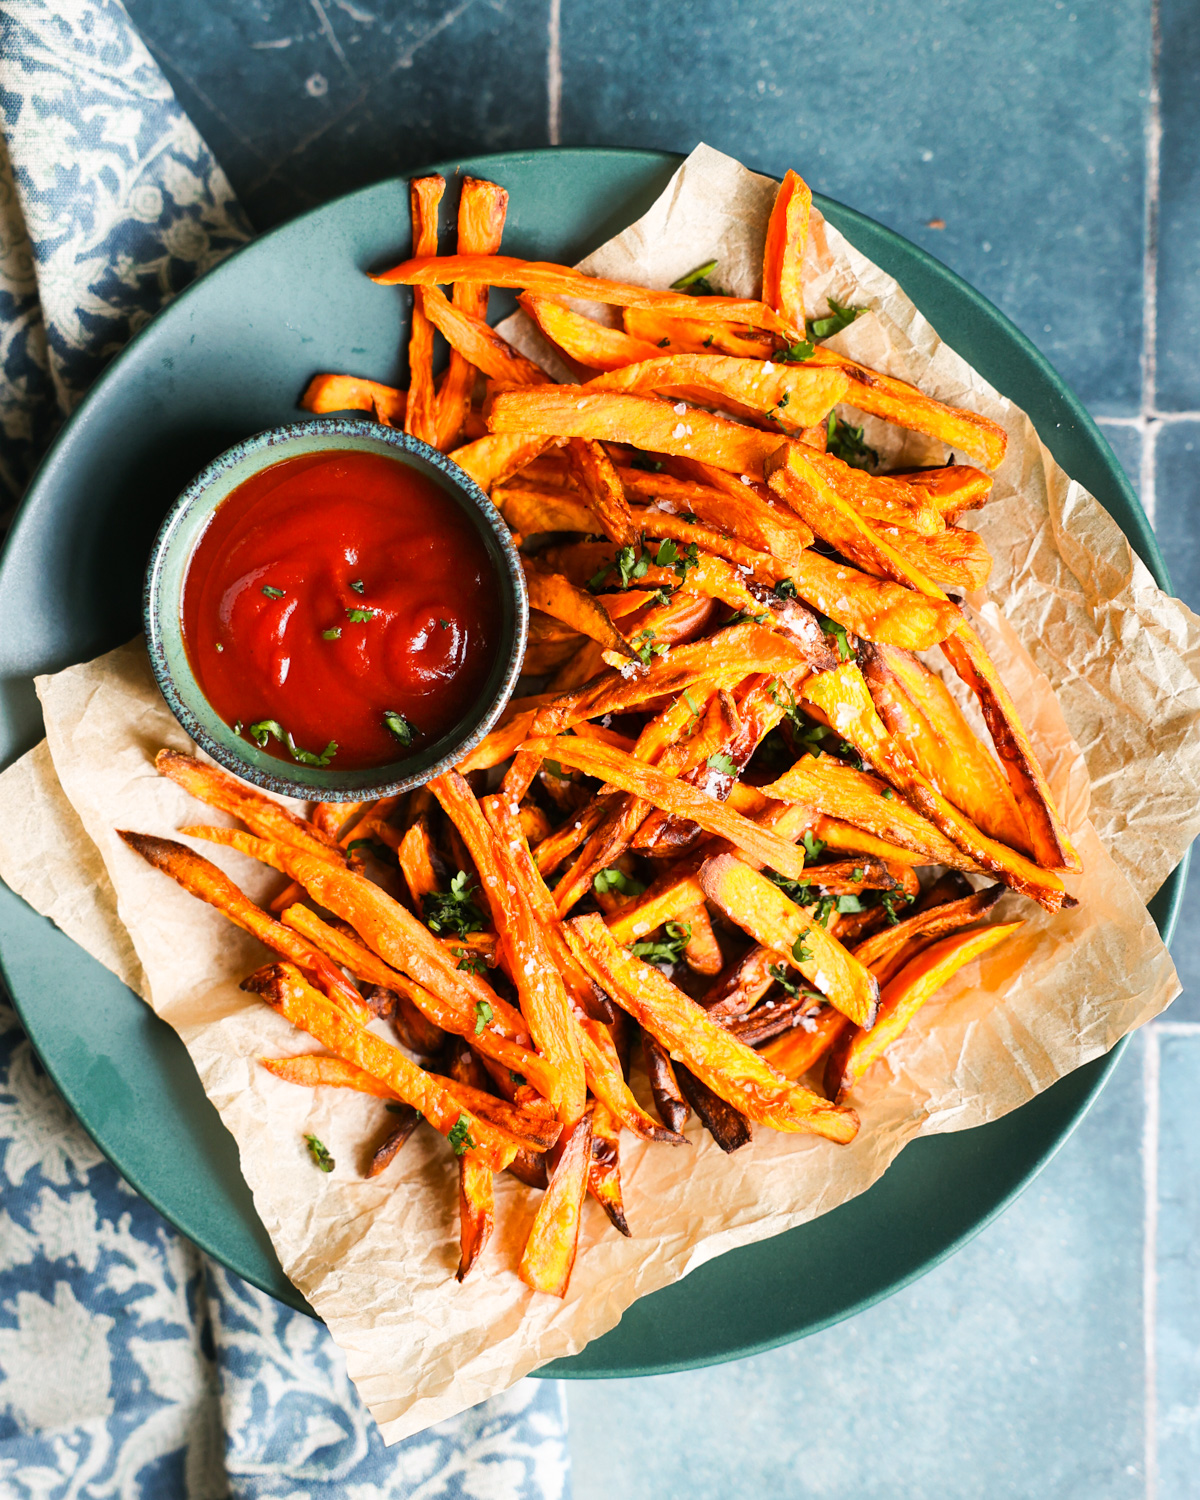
{"x": 1049, "y": 151}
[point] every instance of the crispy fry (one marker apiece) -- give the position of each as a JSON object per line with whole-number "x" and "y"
{"x": 672, "y": 796}
{"x": 331, "y": 818}
{"x": 479, "y": 343}
{"x": 554, "y": 1239}
{"x": 760, "y": 908}
{"x": 481, "y": 211}
{"x": 388, "y": 1149}
{"x": 200, "y": 877}
{"x": 726, "y": 1124}
{"x": 555, "y": 595}
{"x": 702, "y": 952}
{"x": 843, "y": 697}
{"x": 874, "y": 608}
{"x": 783, "y": 252}
{"x": 583, "y": 339}
{"x": 312, "y": 1070}
{"x": 416, "y": 862}
{"x": 420, "y": 417}
{"x": 646, "y": 421}
{"x": 880, "y": 498}
{"x": 597, "y": 478}
{"x": 919, "y": 712}
{"x": 544, "y": 279}
{"x": 904, "y": 996}
{"x": 607, "y": 1081}
{"x": 476, "y": 1211}
{"x": 496, "y": 456}
{"x": 796, "y": 1051}
{"x": 284, "y": 988}
{"x": 954, "y": 490}
{"x": 954, "y": 559}
{"x": 795, "y": 396}
{"x": 530, "y": 508}
{"x": 688, "y": 335}
{"x": 261, "y": 814}
{"x": 948, "y": 916}
{"x": 673, "y": 1109}
{"x": 604, "y": 1170}
{"x": 741, "y": 985}
{"x": 733, "y": 1071}
{"x": 329, "y": 393}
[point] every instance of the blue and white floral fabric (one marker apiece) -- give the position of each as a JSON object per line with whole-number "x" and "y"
{"x": 130, "y": 1364}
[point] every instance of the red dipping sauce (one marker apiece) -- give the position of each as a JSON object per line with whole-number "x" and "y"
{"x": 336, "y": 594}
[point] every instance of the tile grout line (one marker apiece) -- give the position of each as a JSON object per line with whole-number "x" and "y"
{"x": 1150, "y": 273}
{"x": 554, "y": 73}
{"x": 1145, "y": 419}
{"x": 1150, "y": 1124}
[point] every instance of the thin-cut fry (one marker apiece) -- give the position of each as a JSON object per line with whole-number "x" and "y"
{"x": 604, "y": 1170}
{"x": 544, "y": 279}
{"x": 878, "y": 497}
{"x": 554, "y": 1239}
{"x": 903, "y": 997}
{"x": 783, "y": 252}
{"x": 597, "y": 478}
{"x": 792, "y": 932}
{"x": 202, "y": 878}
{"x": 478, "y": 342}
{"x": 482, "y": 207}
{"x": 726, "y": 1124}
{"x": 406, "y": 1121}
{"x": 420, "y": 417}
{"x": 583, "y": 339}
{"x": 416, "y": 862}
{"x": 687, "y": 335}
{"x": 796, "y": 1051}
{"x": 673, "y": 1109}
{"x": 733, "y": 1071}
{"x": 954, "y": 490}
{"x": 476, "y": 1211}
{"x": 312, "y": 1070}
{"x": 795, "y": 396}
{"x": 948, "y": 916}
{"x": 557, "y": 596}
{"x": 496, "y": 456}
{"x": 953, "y": 559}
{"x": 330, "y": 393}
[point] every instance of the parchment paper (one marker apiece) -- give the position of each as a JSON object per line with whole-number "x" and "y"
{"x": 376, "y": 1258}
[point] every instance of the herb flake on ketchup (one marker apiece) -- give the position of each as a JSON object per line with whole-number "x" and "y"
{"x": 340, "y": 608}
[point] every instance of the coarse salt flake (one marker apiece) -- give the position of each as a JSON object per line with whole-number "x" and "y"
{"x": 680, "y": 429}
{"x": 680, "y": 408}
{"x": 745, "y": 478}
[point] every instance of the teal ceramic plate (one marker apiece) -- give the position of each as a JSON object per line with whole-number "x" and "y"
{"x": 229, "y": 358}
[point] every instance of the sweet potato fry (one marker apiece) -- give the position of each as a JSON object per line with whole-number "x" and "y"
{"x": 795, "y": 396}
{"x": 880, "y": 498}
{"x": 647, "y": 422}
{"x": 496, "y": 456}
{"x": 284, "y": 988}
{"x": 741, "y": 985}
{"x": 530, "y": 1124}
{"x": 200, "y": 877}
{"x": 479, "y": 343}
{"x": 727, "y": 1125}
{"x": 874, "y": 608}
{"x": 672, "y": 796}
{"x": 604, "y": 1170}
{"x": 922, "y": 977}
{"x": 953, "y": 559}
{"x": 389, "y": 1148}
{"x": 702, "y": 952}
{"x": 686, "y": 335}
{"x": 555, "y": 595}
{"x": 844, "y": 838}
{"x": 796, "y": 1051}
{"x": 733, "y": 1071}
{"x": 583, "y": 339}
{"x": 842, "y": 696}
{"x": 918, "y": 710}
{"x": 420, "y": 417}
{"x": 331, "y": 818}
{"x": 261, "y": 814}
{"x": 476, "y": 1211}
{"x": 760, "y": 908}
{"x": 312, "y": 1070}
{"x": 783, "y": 252}
{"x": 606, "y": 1080}
{"x": 554, "y": 1239}
{"x": 673, "y": 1109}
{"x": 531, "y": 966}
{"x": 543, "y": 279}
{"x": 597, "y": 478}
{"x": 482, "y": 207}
{"x": 330, "y": 393}
{"x": 567, "y": 837}
{"x": 416, "y": 862}
{"x": 860, "y": 799}
{"x": 894, "y": 401}
{"x": 530, "y": 509}
{"x": 954, "y": 490}
{"x": 933, "y": 922}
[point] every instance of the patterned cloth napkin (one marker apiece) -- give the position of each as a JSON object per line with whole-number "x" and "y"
{"x": 130, "y": 1364}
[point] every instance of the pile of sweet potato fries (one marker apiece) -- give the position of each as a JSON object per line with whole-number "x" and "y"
{"x": 707, "y": 841}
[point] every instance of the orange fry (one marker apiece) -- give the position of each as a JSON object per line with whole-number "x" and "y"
{"x": 733, "y": 1071}
{"x": 328, "y": 393}
{"x": 795, "y": 396}
{"x": 481, "y": 211}
{"x": 476, "y": 1211}
{"x": 583, "y": 339}
{"x": 783, "y": 252}
{"x": 420, "y": 417}
{"x": 315, "y": 1070}
{"x": 904, "y": 995}
{"x": 416, "y": 862}
{"x": 554, "y": 1239}
{"x": 491, "y": 459}
{"x": 795, "y": 1052}
{"x": 558, "y": 596}
{"x": 954, "y": 490}
{"x": 879, "y": 497}
{"x": 604, "y": 1171}
{"x": 934, "y": 921}
{"x": 597, "y": 478}
{"x": 478, "y": 342}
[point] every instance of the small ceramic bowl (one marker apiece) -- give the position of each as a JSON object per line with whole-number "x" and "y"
{"x": 172, "y": 551}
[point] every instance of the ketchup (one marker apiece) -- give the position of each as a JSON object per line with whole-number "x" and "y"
{"x": 341, "y": 609}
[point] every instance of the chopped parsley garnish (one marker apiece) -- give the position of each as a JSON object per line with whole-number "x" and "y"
{"x": 692, "y": 707}
{"x": 664, "y": 343}
{"x": 357, "y": 585}
{"x": 459, "y": 1137}
{"x": 470, "y": 963}
{"x": 800, "y": 953}
{"x": 453, "y": 910}
{"x": 785, "y": 589}
{"x": 332, "y": 635}
{"x": 272, "y": 593}
{"x": 319, "y": 1154}
{"x": 799, "y": 892}
{"x": 644, "y": 645}
{"x": 356, "y": 844}
{"x": 261, "y": 732}
{"x": 725, "y": 764}
{"x": 483, "y": 1014}
{"x": 708, "y": 342}
{"x": 664, "y": 950}
{"x": 813, "y": 848}
{"x": 796, "y": 354}
{"x": 445, "y": 624}
{"x": 398, "y": 725}
{"x": 614, "y": 879}
{"x": 887, "y": 794}
{"x": 780, "y": 975}
{"x": 888, "y": 900}
{"x": 839, "y": 317}
{"x": 845, "y": 441}
{"x": 360, "y": 616}
{"x": 220, "y": 647}
{"x": 744, "y": 615}
{"x": 850, "y": 903}
{"x": 517, "y": 1078}
{"x": 553, "y": 768}
{"x": 696, "y": 283}
{"x": 837, "y": 633}
{"x": 666, "y": 555}
{"x": 642, "y": 461}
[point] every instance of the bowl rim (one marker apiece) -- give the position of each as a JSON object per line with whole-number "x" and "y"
{"x": 483, "y": 514}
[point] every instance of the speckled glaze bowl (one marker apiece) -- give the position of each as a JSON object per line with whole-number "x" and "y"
{"x": 167, "y": 569}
